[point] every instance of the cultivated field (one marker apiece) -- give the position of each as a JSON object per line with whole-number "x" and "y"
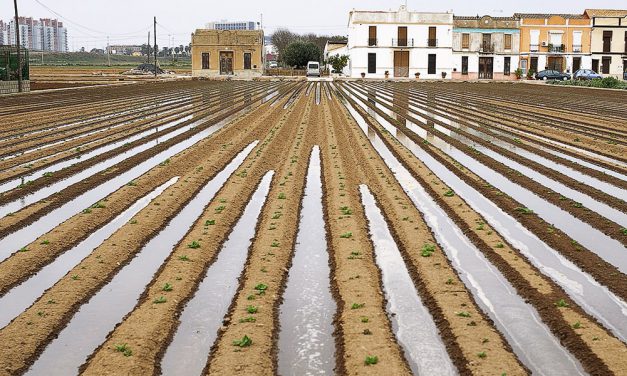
{"x": 294, "y": 228}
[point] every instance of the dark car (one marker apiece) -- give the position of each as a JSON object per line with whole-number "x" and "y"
{"x": 586, "y": 74}
{"x": 550, "y": 74}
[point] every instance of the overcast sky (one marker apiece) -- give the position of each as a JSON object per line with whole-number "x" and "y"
{"x": 128, "y": 21}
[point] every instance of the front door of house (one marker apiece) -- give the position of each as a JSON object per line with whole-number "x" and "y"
{"x": 556, "y": 63}
{"x": 226, "y": 62}
{"x": 401, "y": 63}
{"x": 486, "y": 68}
{"x": 576, "y": 64}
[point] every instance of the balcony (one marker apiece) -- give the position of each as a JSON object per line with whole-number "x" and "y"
{"x": 577, "y": 48}
{"x": 556, "y": 48}
{"x": 403, "y": 42}
{"x": 534, "y": 47}
{"x": 372, "y": 42}
{"x": 486, "y": 48}
{"x": 432, "y": 42}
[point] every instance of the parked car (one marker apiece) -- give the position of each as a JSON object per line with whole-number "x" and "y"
{"x": 313, "y": 69}
{"x": 586, "y": 74}
{"x": 273, "y": 64}
{"x": 550, "y": 74}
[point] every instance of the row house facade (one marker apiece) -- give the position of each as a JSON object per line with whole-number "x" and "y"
{"x": 554, "y": 41}
{"x": 609, "y": 41}
{"x": 401, "y": 43}
{"x": 485, "y": 47}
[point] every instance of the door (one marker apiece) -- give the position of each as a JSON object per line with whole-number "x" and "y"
{"x": 487, "y": 43}
{"x": 372, "y": 36}
{"x": 372, "y": 63}
{"x": 534, "y": 64}
{"x": 401, "y": 63}
{"x": 605, "y": 64}
{"x": 431, "y": 64}
{"x": 205, "y": 60}
{"x": 402, "y": 36}
{"x": 247, "y": 60}
{"x": 556, "y": 63}
{"x": 486, "y": 68}
{"x": 432, "y": 42}
{"x": 576, "y": 64}
{"x": 595, "y": 65}
{"x": 464, "y": 65}
{"x": 226, "y": 62}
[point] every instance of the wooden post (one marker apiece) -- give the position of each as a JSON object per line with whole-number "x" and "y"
{"x": 19, "y": 57}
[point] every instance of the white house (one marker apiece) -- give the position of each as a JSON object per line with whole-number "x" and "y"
{"x": 401, "y": 43}
{"x": 336, "y": 48}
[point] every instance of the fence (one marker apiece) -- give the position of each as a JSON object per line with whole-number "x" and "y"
{"x": 9, "y": 70}
{"x": 292, "y": 72}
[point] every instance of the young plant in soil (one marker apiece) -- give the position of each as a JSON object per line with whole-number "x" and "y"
{"x": 251, "y": 309}
{"x": 346, "y": 235}
{"x": 210, "y": 222}
{"x": 449, "y": 193}
{"x": 427, "y": 250}
{"x": 358, "y": 305}
{"x": 243, "y": 342}
{"x": 160, "y": 300}
{"x": 167, "y": 287}
{"x": 194, "y": 245}
{"x": 124, "y": 349}
{"x": 371, "y": 360}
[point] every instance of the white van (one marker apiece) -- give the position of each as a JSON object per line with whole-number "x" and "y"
{"x": 313, "y": 69}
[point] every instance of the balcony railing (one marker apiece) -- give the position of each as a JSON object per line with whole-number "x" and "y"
{"x": 534, "y": 47}
{"x": 432, "y": 42}
{"x": 372, "y": 42}
{"x": 486, "y": 48}
{"x": 403, "y": 42}
{"x": 556, "y": 48}
{"x": 576, "y": 47}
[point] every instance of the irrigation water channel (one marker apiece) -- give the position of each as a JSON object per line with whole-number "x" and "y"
{"x": 26, "y": 235}
{"x": 306, "y": 343}
{"x": 202, "y": 316}
{"x": 606, "y": 247}
{"x": 412, "y": 323}
{"x": 594, "y": 298}
{"x": 519, "y": 322}
{"x": 89, "y": 327}
{"x": 21, "y": 297}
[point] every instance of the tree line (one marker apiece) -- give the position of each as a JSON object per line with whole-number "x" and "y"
{"x": 295, "y": 50}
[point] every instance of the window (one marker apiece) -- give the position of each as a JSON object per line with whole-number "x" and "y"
{"x": 576, "y": 41}
{"x": 606, "y": 61}
{"x": 626, "y": 44}
{"x": 205, "y": 60}
{"x": 508, "y": 41}
{"x": 534, "y": 43}
{"x": 372, "y": 63}
{"x": 431, "y": 68}
{"x": 247, "y": 58}
{"x": 607, "y": 41}
{"x": 506, "y": 65}
{"x": 372, "y": 36}
{"x": 465, "y": 40}
{"x": 402, "y": 36}
{"x": 464, "y": 65}
{"x": 432, "y": 42}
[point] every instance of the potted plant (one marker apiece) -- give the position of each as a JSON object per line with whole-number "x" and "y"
{"x": 387, "y": 74}
{"x": 417, "y": 74}
{"x": 363, "y": 75}
{"x": 443, "y": 75}
{"x": 530, "y": 74}
{"x": 518, "y": 73}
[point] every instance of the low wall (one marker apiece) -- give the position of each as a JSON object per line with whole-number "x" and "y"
{"x": 10, "y": 87}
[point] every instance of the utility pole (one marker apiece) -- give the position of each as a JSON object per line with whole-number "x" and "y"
{"x": 155, "y": 26}
{"x": 108, "y": 52}
{"x": 19, "y": 56}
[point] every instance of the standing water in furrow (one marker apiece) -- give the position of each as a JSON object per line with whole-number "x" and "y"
{"x": 413, "y": 325}
{"x": 95, "y": 319}
{"x": 21, "y": 297}
{"x": 306, "y": 344}
{"x": 26, "y": 235}
{"x": 523, "y": 328}
{"x": 203, "y": 315}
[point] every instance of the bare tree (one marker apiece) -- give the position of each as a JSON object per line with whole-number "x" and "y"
{"x": 281, "y": 39}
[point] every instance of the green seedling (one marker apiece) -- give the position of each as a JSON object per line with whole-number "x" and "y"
{"x": 346, "y": 235}
{"x": 449, "y": 281}
{"x": 427, "y": 250}
{"x": 261, "y": 287}
{"x": 165, "y": 163}
{"x": 251, "y": 297}
{"x": 47, "y": 174}
{"x": 578, "y": 205}
{"x": 449, "y": 193}
{"x": 124, "y": 349}
{"x": 243, "y": 342}
{"x": 131, "y": 183}
{"x": 183, "y": 258}
{"x": 577, "y": 325}
{"x": 367, "y": 332}
{"x": 220, "y": 209}
{"x": 248, "y": 319}
{"x": 133, "y": 221}
{"x": 23, "y": 249}
{"x": 160, "y": 300}
{"x": 167, "y": 287}
{"x": 623, "y": 231}
{"x": 371, "y": 360}
{"x": 482, "y": 355}
{"x": 562, "y": 303}
{"x": 210, "y": 222}
{"x": 364, "y": 320}
{"x": 499, "y": 245}
{"x": 274, "y": 244}
{"x": 282, "y": 196}
{"x": 98, "y": 205}
{"x": 45, "y": 242}
{"x": 222, "y": 201}
{"x": 358, "y": 305}
{"x": 251, "y": 309}
{"x": 194, "y": 245}
{"x": 524, "y": 210}
{"x": 75, "y": 277}
{"x": 86, "y": 211}
{"x": 463, "y": 314}
{"x": 346, "y": 210}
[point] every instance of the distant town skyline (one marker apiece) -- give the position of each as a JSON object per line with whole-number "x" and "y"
{"x": 125, "y": 22}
